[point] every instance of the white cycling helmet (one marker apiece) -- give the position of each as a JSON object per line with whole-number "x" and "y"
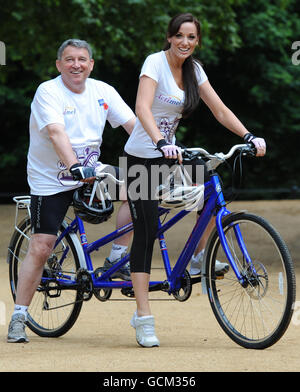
{"x": 184, "y": 197}
{"x": 92, "y": 203}
{"x": 178, "y": 192}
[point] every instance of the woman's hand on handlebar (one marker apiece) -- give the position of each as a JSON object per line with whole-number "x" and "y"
{"x": 258, "y": 142}
{"x": 170, "y": 151}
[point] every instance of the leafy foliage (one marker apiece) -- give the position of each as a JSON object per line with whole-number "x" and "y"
{"x": 246, "y": 52}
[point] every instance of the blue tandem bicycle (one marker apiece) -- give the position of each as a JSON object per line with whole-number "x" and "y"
{"x": 252, "y": 302}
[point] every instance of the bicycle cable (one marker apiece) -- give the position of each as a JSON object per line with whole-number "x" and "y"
{"x": 234, "y": 173}
{"x": 237, "y": 165}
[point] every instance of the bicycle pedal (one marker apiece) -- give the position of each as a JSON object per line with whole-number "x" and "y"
{"x": 219, "y": 277}
{"x": 128, "y": 292}
{"x": 98, "y": 272}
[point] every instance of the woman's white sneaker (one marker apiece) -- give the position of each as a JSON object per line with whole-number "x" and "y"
{"x": 145, "y": 331}
{"x": 197, "y": 261}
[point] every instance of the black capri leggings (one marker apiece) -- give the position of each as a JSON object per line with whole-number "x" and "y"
{"x": 144, "y": 207}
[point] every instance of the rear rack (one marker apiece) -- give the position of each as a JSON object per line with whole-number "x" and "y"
{"x": 22, "y": 202}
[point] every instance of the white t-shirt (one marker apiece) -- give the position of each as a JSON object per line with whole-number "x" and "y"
{"x": 83, "y": 115}
{"x": 166, "y": 108}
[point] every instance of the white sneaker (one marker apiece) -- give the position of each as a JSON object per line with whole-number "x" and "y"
{"x": 196, "y": 263}
{"x": 145, "y": 332}
{"x": 16, "y": 329}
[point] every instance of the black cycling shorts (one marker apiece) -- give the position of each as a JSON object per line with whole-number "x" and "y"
{"x": 48, "y": 212}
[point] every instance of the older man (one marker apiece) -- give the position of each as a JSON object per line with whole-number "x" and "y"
{"x": 68, "y": 115}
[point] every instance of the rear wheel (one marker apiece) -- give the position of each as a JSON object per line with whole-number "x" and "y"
{"x": 254, "y": 314}
{"x": 52, "y": 311}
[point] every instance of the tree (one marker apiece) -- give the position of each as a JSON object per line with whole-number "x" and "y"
{"x": 246, "y": 52}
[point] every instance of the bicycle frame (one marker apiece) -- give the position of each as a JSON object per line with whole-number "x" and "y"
{"x": 214, "y": 205}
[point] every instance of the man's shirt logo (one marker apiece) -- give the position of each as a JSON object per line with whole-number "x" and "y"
{"x": 69, "y": 110}
{"x": 102, "y": 103}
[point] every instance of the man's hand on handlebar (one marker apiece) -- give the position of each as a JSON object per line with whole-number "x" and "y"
{"x": 82, "y": 173}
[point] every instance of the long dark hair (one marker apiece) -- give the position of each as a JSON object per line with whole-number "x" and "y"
{"x": 190, "y": 83}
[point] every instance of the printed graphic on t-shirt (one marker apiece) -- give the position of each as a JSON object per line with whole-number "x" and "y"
{"x": 168, "y": 127}
{"x": 170, "y": 99}
{"x": 87, "y": 156}
{"x": 65, "y": 178}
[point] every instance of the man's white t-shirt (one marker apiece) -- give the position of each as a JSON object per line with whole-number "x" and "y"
{"x": 83, "y": 116}
{"x": 166, "y": 108}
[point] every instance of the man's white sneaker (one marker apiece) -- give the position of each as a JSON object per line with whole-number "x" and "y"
{"x": 196, "y": 264}
{"x": 16, "y": 329}
{"x": 145, "y": 331}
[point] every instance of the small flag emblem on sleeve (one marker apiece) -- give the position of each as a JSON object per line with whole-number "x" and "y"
{"x": 102, "y": 103}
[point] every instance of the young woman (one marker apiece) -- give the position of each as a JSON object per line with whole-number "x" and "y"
{"x": 170, "y": 87}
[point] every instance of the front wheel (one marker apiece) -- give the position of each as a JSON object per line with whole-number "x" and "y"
{"x": 254, "y": 313}
{"x": 52, "y": 311}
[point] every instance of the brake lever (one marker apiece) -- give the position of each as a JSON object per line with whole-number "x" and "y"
{"x": 190, "y": 155}
{"x": 250, "y": 150}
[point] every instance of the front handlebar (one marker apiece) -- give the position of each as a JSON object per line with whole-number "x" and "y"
{"x": 214, "y": 160}
{"x": 247, "y": 149}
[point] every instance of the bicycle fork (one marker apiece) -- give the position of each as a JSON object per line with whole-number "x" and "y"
{"x": 222, "y": 213}
{"x": 224, "y": 243}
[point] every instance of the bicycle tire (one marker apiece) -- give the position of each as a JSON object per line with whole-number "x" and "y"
{"x": 43, "y": 319}
{"x": 255, "y": 316}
